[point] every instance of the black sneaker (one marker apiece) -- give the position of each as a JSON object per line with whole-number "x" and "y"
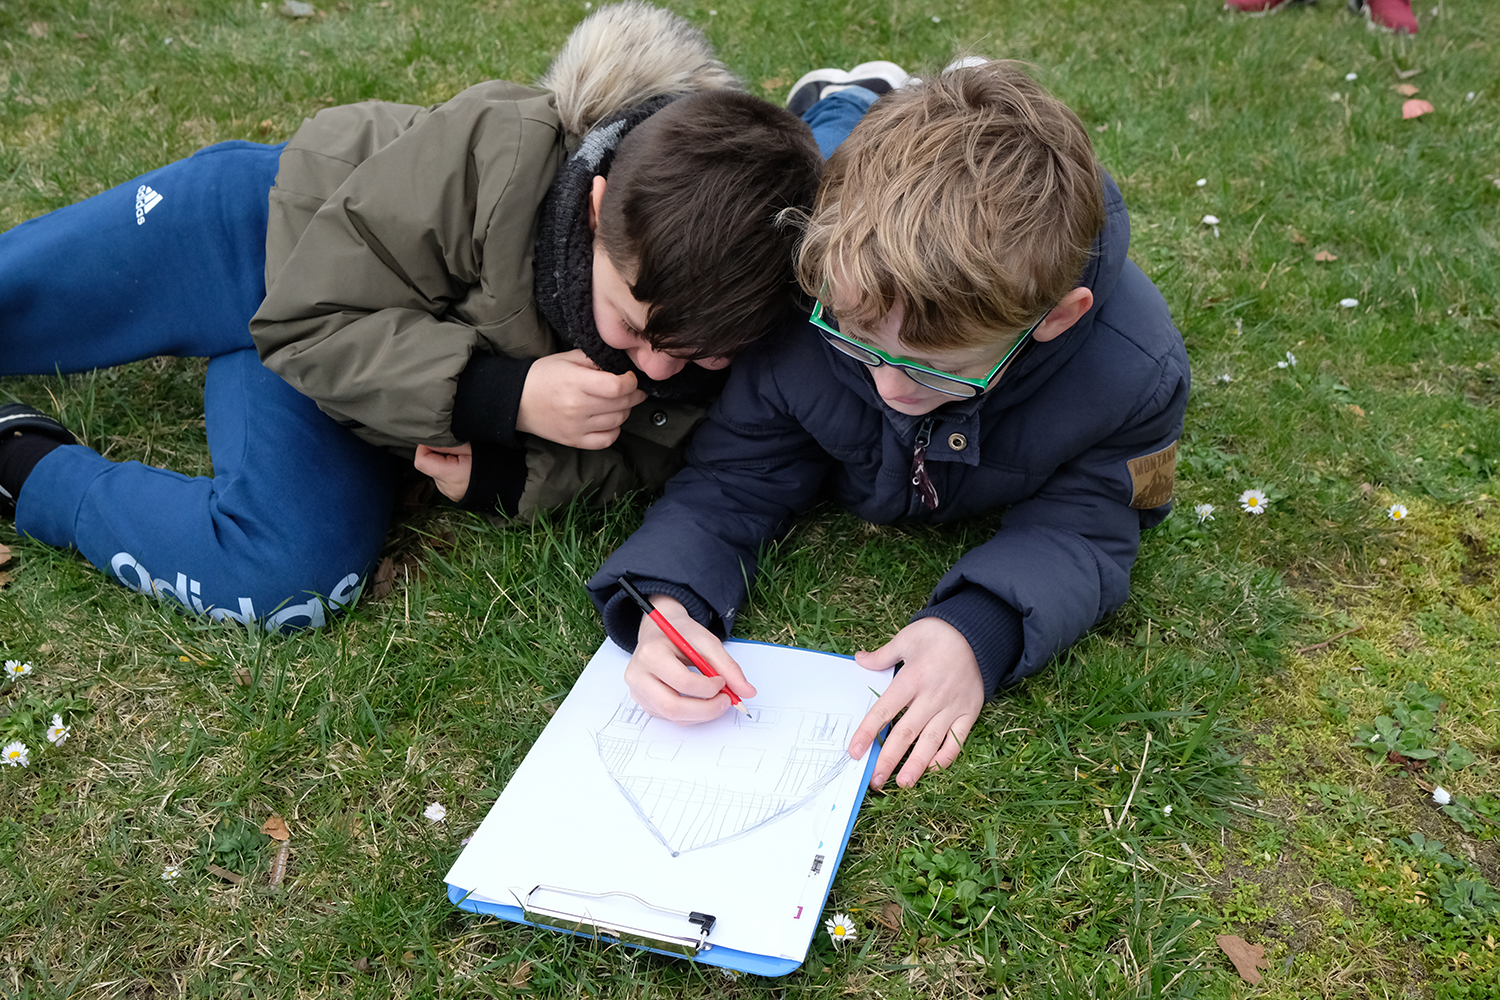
{"x": 17, "y": 462}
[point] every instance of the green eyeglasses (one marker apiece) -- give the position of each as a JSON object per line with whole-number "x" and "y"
{"x": 952, "y": 385}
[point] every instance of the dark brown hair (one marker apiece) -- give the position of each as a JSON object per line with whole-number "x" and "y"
{"x": 701, "y": 215}
{"x": 972, "y": 198}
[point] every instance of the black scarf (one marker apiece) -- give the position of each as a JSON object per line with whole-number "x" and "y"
{"x": 563, "y": 267}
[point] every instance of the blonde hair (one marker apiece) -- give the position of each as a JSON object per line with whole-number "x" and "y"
{"x": 973, "y": 199}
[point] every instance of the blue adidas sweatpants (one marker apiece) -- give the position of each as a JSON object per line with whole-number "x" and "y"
{"x": 173, "y": 263}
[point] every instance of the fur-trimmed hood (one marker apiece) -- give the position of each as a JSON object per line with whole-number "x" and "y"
{"x": 625, "y": 54}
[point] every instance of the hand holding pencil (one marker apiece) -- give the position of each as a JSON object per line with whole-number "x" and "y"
{"x": 666, "y": 681}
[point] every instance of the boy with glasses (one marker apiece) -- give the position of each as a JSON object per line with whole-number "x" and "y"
{"x": 980, "y": 342}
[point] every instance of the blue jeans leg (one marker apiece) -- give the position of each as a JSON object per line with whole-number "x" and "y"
{"x": 834, "y": 117}
{"x": 173, "y": 263}
{"x": 292, "y": 519}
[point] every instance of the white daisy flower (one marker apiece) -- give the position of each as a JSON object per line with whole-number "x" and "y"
{"x": 1166, "y": 810}
{"x": 16, "y": 754}
{"x": 1253, "y": 501}
{"x": 1226, "y": 378}
{"x": 1205, "y": 512}
{"x": 1348, "y": 303}
{"x": 57, "y": 733}
{"x": 1440, "y": 796}
{"x": 1210, "y": 220}
{"x": 15, "y": 669}
{"x": 1396, "y": 512}
{"x": 435, "y": 812}
{"x": 1202, "y": 181}
{"x": 1291, "y": 359}
{"x": 1351, "y": 77}
{"x": 841, "y": 929}
{"x": 170, "y": 873}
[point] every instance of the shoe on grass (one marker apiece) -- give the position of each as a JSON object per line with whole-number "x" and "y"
{"x": 27, "y": 435}
{"x": 1392, "y": 15}
{"x": 880, "y": 77}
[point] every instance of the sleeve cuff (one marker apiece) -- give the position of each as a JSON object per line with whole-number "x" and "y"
{"x": 488, "y": 399}
{"x": 497, "y": 478}
{"x": 622, "y": 616}
{"x": 992, "y": 628}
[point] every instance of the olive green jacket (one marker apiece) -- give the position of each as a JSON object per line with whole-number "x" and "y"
{"x": 399, "y": 242}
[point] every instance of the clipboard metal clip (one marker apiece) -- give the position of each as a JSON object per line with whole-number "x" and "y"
{"x": 537, "y": 910}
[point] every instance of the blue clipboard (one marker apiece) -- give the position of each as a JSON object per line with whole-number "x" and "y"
{"x": 672, "y": 933}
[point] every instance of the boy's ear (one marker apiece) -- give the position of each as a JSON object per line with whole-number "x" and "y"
{"x": 1069, "y": 310}
{"x": 596, "y": 198}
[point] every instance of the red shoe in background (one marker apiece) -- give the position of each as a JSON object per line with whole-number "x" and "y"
{"x": 1392, "y": 15}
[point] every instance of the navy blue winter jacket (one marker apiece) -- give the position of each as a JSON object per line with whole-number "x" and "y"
{"x": 1077, "y": 440}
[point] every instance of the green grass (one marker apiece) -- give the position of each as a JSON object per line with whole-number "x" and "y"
{"x": 1020, "y": 871}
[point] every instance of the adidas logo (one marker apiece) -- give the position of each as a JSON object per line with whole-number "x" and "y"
{"x": 145, "y": 200}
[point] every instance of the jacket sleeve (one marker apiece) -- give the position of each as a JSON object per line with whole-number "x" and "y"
{"x": 751, "y": 468}
{"x": 1062, "y": 557}
{"x": 373, "y": 314}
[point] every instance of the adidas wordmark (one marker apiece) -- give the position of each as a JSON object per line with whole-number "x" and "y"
{"x": 145, "y": 200}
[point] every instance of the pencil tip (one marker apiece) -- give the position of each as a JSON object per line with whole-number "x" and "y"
{"x": 743, "y": 710}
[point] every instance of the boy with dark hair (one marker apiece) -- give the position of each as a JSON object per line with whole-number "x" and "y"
{"x": 416, "y": 279}
{"x": 980, "y": 341}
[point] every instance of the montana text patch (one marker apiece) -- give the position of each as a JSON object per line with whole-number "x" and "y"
{"x": 1152, "y": 476}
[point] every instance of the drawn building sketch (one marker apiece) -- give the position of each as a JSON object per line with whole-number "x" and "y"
{"x": 758, "y": 768}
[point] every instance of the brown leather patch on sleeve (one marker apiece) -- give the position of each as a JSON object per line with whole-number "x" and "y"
{"x": 1152, "y": 476}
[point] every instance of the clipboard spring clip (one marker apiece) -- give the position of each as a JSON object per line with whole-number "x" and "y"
{"x": 687, "y": 944}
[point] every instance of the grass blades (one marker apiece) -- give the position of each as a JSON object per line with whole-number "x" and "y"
{"x": 1202, "y": 764}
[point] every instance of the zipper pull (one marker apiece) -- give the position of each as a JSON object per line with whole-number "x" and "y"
{"x": 920, "y": 481}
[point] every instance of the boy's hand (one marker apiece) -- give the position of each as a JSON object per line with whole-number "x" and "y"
{"x": 568, "y": 400}
{"x": 666, "y": 684}
{"x": 449, "y": 468}
{"x": 939, "y": 687}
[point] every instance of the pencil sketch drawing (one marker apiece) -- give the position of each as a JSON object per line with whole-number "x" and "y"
{"x": 738, "y": 773}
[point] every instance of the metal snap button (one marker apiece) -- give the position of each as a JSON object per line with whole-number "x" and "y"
{"x": 957, "y": 442}
{"x": 659, "y": 418}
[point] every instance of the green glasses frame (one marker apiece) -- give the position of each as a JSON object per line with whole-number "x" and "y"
{"x": 952, "y": 385}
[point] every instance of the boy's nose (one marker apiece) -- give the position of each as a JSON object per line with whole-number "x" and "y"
{"x": 658, "y": 364}
{"x": 891, "y": 382}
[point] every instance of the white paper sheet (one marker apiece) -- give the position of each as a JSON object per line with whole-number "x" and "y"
{"x": 742, "y": 818}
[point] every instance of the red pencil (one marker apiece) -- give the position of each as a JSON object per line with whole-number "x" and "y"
{"x": 686, "y": 648}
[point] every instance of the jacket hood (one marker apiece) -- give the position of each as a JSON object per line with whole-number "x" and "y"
{"x": 622, "y": 56}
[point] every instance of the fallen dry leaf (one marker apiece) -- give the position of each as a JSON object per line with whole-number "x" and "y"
{"x": 4, "y": 580}
{"x": 1102, "y": 128}
{"x": 890, "y": 915}
{"x": 275, "y": 828}
{"x": 1356, "y": 409}
{"x": 521, "y": 976}
{"x": 384, "y": 579}
{"x": 1406, "y": 74}
{"x": 1324, "y": 255}
{"x": 361, "y": 964}
{"x": 1298, "y": 238}
{"x": 1368, "y": 489}
{"x": 1415, "y": 108}
{"x": 773, "y": 83}
{"x": 1246, "y": 957}
{"x": 37, "y": 29}
{"x": 1406, "y": 89}
{"x": 4, "y": 554}
{"x": 226, "y": 874}
{"x": 278, "y": 863}
{"x": 242, "y": 677}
